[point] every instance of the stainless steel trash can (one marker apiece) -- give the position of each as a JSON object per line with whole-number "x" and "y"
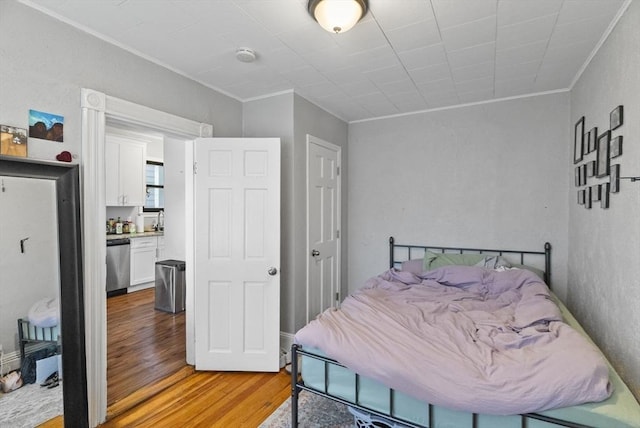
{"x": 170, "y": 285}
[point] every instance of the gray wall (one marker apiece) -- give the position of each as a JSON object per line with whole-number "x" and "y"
{"x": 45, "y": 63}
{"x": 491, "y": 175}
{"x": 291, "y": 118}
{"x": 604, "y": 245}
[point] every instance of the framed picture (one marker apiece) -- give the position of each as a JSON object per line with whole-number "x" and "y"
{"x": 615, "y": 118}
{"x": 602, "y": 155}
{"x": 614, "y": 179}
{"x": 615, "y": 147}
{"x": 581, "y": 197}
{"x": 13, "y": 141}
{"x": 578, "y": 140}
{"x": 593, "y": 137}
{"x": 604, "y": 195}
{"x": 591, "y": 168}
{"x": 595, "y": 193}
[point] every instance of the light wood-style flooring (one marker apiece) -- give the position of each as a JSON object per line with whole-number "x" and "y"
{"x": 150, "y": 385}
{"x": 144, "y": 345}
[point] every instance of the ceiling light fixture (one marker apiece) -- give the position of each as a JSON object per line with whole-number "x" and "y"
{"x": 337, "y": 16}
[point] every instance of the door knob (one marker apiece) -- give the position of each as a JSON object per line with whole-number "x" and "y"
{"x": 272, "y": 271}
{"x": 315, "y": 253}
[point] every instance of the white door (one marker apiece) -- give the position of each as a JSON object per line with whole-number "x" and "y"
{"x": 237, "y": 254}
{"x": 323, "y": 226}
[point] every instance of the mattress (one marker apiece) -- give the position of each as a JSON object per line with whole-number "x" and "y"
{"x": 620, "y": 410}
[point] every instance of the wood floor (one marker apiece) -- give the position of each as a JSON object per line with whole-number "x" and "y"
{"x": 144, "y": 345}
{"x": 150, "y": 385}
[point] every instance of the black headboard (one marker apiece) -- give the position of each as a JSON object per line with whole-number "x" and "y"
{"x": 399, "y": 253}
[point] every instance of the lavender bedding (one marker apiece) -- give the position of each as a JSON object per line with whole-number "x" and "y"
{"x": 465, "y": 338}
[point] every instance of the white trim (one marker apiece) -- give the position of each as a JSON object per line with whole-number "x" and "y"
{"x": 338, "y": 150}
{"x": 476, "y": 103}
{"x": 603, "y": 39}
{"x": 275, "y": 94}
{"x": 97, "y": 108}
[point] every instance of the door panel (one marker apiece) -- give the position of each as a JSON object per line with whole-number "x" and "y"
{"x": 237, "y": 219}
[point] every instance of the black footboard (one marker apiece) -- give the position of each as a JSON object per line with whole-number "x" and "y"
{"x": 297, "y": 385}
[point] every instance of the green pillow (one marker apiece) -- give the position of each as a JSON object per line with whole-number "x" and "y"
{"x": 436, "y": 260}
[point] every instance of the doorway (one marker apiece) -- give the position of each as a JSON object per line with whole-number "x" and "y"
{"x": 97, "y": 108}
{"x": 145, "y": 345}
{"x": 323, "y": 225}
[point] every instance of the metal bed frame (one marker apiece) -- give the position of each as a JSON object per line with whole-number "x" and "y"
{"x": 30, "y": 336}
{"x": 406, "y": 252}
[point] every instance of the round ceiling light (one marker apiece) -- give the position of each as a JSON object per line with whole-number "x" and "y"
{"x": 245, "y": 55}
{"x": 337, "y": 16}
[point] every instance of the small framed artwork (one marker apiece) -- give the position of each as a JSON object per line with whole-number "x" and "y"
{"x": 47, "y": 126}
{"x": 578, "y": 140}
{"x": 615, "y": 118}
{"x": 581, "y": 197}
{"x": 593, "y": 137}
{"x": 13, "y": 141}
{"x": 591, "y": 168}
{"x": 602, "y": 155}
{"x": 595, "y": 193}
{"x": 614, "y": 179}
{"x": 604, "y": 195}
{"x": 615, "y": 147}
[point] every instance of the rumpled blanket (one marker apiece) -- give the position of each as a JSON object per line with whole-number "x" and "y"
{"x": 463, "y": 337}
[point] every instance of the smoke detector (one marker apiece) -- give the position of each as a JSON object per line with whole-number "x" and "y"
{"x": 245, "y": 55}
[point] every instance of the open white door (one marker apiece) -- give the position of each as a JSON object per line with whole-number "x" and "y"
{"x": 323, "y": 226}
{"x": 237, "y": 254}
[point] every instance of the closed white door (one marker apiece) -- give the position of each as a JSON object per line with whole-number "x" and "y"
{"x": 237, "y": 254}
{"x": 323, "y": 226}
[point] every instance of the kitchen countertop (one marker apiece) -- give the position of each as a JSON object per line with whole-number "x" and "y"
{"x": 134, "y": 235}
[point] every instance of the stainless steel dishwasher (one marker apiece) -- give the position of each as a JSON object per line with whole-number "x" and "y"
{"x": 118, "y": 266}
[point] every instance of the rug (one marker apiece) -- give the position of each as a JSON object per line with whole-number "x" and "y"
{"x": 30, "y": 406}
{"x": 314, "y": 411}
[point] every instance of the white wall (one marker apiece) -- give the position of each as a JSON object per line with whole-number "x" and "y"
{"x": 491, "y": 175}
{"x": 174, "y": 195}
{"x": 604, "y": 245}
{"x": 45, "y": 63}
{"x": 28, "y": 210}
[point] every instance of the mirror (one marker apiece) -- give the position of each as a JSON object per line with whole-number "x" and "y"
{"x": 71, "y": 325}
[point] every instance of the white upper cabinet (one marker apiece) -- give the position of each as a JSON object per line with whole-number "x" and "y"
{"x": 125, "y": 164}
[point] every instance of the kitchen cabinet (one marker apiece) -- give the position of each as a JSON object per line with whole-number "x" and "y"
{"x": 125, "y": 166}
{"x": 145, "y": 252}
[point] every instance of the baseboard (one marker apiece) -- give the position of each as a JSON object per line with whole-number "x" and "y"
{"x": 286, "y": 340}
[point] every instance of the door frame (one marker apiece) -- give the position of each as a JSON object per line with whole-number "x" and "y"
{"x": 335, "y": 148}
{"x": 97, "y": 108}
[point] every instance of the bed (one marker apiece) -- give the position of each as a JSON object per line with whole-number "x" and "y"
{"x": 32, "y": 337}
{"x": 39, "y": 329}
{"x": 389, "y": 403}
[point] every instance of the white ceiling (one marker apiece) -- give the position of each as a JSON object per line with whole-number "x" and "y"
{"x": 403, "y": 56}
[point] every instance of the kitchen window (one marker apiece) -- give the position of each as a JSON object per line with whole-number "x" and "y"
{"x": 154, "y": 176}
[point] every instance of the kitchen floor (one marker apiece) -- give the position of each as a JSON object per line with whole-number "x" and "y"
{"x": 144, "y": 345}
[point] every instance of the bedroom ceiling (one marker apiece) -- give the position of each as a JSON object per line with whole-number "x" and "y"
{"x": 404, "y": 56}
